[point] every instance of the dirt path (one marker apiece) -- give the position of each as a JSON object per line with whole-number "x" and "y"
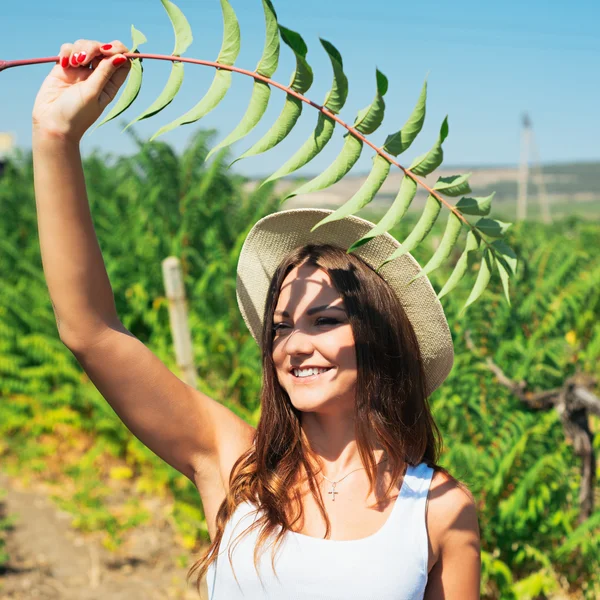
{"x": 50, "y": 560}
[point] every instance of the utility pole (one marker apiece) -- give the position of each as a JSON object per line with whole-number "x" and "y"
{"x": 529, "y": 147}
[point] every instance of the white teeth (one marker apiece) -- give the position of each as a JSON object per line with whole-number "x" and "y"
{"x": 308, "y": 372}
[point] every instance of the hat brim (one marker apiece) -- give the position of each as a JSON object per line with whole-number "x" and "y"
{"x": 274, "y": 236}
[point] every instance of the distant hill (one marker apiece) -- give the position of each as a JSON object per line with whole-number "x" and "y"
{"x": 571, "y": 188}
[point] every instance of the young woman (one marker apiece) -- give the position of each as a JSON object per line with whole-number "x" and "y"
{"x": 340, "y": 479}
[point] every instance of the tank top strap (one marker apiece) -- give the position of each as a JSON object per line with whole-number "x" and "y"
{"x": 417, "y": 481}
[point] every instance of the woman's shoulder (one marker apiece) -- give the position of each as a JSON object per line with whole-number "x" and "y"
{"x": 451, "y": 510}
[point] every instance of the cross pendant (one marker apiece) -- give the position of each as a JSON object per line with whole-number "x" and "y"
{"x": 333, "y": 492}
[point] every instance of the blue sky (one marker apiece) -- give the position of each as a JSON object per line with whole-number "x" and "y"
{"x": 487, "y": 63}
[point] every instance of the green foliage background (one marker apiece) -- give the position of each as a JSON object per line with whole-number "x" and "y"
{"x": 54, "y": 424}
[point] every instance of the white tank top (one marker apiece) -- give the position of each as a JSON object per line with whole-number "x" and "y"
{"x": 391, "y": 564}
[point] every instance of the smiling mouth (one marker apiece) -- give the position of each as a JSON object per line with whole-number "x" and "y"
{"x": 308, "y": 378}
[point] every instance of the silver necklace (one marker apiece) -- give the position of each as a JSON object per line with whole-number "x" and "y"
{"x": 333, "y": 483}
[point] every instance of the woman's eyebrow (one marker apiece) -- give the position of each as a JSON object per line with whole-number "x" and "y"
{"x": 312, "y": 311}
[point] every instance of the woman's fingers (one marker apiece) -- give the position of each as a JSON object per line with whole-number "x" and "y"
{"x": 83, "y": 52}
{"x": 116, "y": 47}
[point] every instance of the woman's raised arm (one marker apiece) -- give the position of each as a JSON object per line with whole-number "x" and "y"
{"x": 186, "y": 428}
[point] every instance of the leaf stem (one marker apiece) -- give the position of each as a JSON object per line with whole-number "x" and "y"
{"x": 133, "y": 55}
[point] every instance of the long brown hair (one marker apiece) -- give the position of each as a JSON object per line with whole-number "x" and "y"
{"x": 391, "y": 405}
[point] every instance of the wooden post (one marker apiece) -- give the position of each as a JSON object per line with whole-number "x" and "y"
{"x": 182, "y": 340}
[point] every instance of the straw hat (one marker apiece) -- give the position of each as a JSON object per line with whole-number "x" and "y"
{"x": 274, "y": 236}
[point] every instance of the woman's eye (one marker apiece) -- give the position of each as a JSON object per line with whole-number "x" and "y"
{"x": 319, "y": 321}
{"x": 326, "y": 320}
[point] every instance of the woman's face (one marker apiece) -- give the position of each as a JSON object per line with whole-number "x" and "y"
{"x": 311, "y": 329}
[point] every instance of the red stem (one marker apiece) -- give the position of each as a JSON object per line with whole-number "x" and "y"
{"x": 55, "y": 59}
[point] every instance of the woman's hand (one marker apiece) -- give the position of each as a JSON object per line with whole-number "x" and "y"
{"x": 73, "y": 96}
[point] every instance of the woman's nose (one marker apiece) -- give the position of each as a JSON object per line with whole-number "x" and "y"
{"x": 298, "y": 342}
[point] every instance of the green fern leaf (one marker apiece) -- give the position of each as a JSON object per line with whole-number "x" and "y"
{"x": 398, "y": 142}
{"x": 461, "y": 266}
{"x": 313, "y": 145}
{"x": 181, "y": 27}
{"x": 506, "y": 261}
{"x": 421, "y": 229}
{"x": 222, "y": 80}
{"x": 270, "y": 56}
{"x": 430, "y": 161}
{"x": 453, "y": 227}
{"x": 455, "y": 185}
{"x": 337, "y": 169}
{"x": 166, "y": 96}
{"x": 406, "y": 194}
{"x": 366, "y": 193}
{"x": 134, "y": 81}
{"x": 336, "y": 98}
{"x": 476, "y": 206}
{"x": 261, "y": 91}
{"x": 259, "y": 100}
{"x": 492, "y": 227}
{"x": 483, "y": 278}
{"x": 301, "y": 81}
{"x": 367, "y": 121}
{"x": 334, "y": 101}
{"x": 370, "y": 118}
{"x": 183, "y": 39}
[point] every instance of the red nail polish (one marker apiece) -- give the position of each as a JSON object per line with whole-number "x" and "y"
{"x": 64, "y": 62}
{"x": 74, "y": 60}
{"x": 119, "y": 60}
{"x": 81, "y": 57}
{"x": 106, "y": 47}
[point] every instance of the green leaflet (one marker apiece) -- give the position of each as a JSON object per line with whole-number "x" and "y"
{"x": 453, "y": 227}
{"x": 506, "y": 254}
{"x": 335, "y": 171}
{"x": 215, "y": 94}
{"x": 367, "y": 121}
{"x": 166, "y": 96}
{"x": 397, "y": 143}
{"x": 334, "y": 101}
{"x": 292, "y": 109}
{"x": 476, "y": 206}
{"x": 492, "y": 227}
{"x": 366, "y": 193}
{"x": 138, "y": 38}
{"x": 505, "y": 278}
{"x": 181, "y": 27}
{"x": 270, "y": 56}
{"x": 303, "y": 77}
{"x": 506, "y": 260}
{"x": 230, "y": 48}
{"x": 455, "y": 185}
{"x": 311, "y": 147}
{"x": 134, "y": 81}
{"x": 261, "y": 92}
{"x": 406, "y": 194}
{"x": 371, "y": 117}
{"x": 422, "y": 228}
{"x": 336, "y": 98}
{"x": 461, "y": 265}
{"x": 222, "y": 80}
{"x": 426, "y": 163}
{"x": 183, "y": 39}
{"x": 483, "y": 278}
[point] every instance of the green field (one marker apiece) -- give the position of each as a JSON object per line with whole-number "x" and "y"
{"x": 523, "y": 471}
